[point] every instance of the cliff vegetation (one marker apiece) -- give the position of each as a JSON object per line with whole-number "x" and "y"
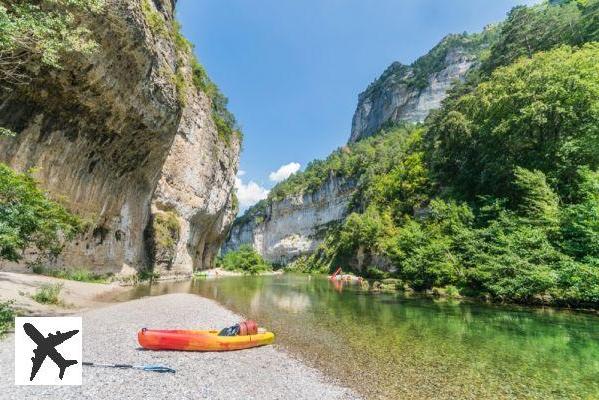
{"x": 29, "y": 219}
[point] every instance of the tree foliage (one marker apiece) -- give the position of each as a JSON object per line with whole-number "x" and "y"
{"x": 245, "y": 259}
{"x": 538, "y": 113}
{"x": 497, "y": 195}
{"x": 42, "y": 33}
{"x": 28, "y": 218}
{"x": 528, "y": 30}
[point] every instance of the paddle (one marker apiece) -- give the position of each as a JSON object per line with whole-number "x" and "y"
{"x": 151, "y": 368}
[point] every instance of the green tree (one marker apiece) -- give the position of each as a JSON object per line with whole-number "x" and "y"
{"x": 28, "y": 218}
{"x": 539, "y": 114}
{"x": 513, "y": 260}
{"x": 245, "y": 259}
{"x": 427, "y": 252}
{"x": 38, "y": 33}
{"x": 535, "y": 199}
{"x": 528, "y": 30}
{"x": 580, "y": 221}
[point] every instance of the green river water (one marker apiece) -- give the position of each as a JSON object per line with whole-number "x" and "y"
{"x": 388, "y": 346}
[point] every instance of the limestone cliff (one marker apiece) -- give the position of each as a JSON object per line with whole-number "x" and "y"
{"x": 283, "y": 230}
{"x": 122, "y": 137}
{"x": 409, "y": 92}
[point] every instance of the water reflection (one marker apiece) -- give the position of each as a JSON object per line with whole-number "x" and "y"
{"x": 390, "y": 346}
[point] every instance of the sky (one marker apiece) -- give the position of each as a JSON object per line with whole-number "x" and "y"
{"x": 293, "y": 69}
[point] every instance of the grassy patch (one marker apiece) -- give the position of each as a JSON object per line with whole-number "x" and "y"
{"x": 147, "y": 275}
{"x": 48, "y": 294}
{"x": 166, "y": 229}
{"x": 7, "y": 316}
{"x": 77, "y": 274}
{"x": 144, "y": 275}
{"x": 155, "y": 20}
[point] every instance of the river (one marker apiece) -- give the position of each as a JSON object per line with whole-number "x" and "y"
{"x": 390, "y": 346}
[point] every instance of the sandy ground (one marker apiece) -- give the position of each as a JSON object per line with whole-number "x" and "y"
{"x": 75, "y": 296}
{"x": 110, "y": 336}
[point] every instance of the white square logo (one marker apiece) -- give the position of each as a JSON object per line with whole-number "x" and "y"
{"x": 48, "y": 351}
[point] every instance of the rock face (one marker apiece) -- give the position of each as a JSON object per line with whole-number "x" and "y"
{"x": 409, "y": 92}
{"x": 287, "y": 229}
{"x": 112, "y": 137}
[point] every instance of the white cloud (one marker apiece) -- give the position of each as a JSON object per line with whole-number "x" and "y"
{"x": 284, "y": 172}
{"x": 249, "y": 193}
{"x": 240, "y": 172}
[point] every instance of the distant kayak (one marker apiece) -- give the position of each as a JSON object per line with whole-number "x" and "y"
{"x": 188, "y": 340}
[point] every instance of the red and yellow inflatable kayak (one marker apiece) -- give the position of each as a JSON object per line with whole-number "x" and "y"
{"x": 199, "y": 340}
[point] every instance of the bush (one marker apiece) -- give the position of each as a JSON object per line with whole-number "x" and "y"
{"x": 28, "y": 218}
{"x": 452, "y": 292}
{"x": 375, "y": 273}
{"x": 48, "y": 294}
{"x": 44, "y": 32}
{"x": 245, "y": 259}
{"x": 7, "y": 316}
{"x": 166, "y": 228}
{"x": 146, "y": 274}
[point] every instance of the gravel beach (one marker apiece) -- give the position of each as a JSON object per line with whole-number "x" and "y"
{"x": 110, "y": 336}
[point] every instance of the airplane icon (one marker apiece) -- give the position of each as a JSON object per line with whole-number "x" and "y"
{"x": 46, "y": 347}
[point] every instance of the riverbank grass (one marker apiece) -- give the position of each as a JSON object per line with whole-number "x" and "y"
{"x": 48, "y": 294}
{"x": 75, "y": 274}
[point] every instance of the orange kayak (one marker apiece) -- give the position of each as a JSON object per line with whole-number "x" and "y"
{"x": 199, "y": 340}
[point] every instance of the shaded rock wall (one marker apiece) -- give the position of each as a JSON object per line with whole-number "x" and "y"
{"x": 105, "y": 134}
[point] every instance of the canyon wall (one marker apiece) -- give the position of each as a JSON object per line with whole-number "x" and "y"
{"x": 294, "y": 226}
{"x": 407, "y": 93}
{"x": 113, "y": 138}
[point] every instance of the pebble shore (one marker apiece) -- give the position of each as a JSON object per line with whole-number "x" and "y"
{"x": 110, "y": 337}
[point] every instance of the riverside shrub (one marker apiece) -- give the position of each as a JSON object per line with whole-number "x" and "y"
{"x": 245, "y": 259}
{"x": 29, "y": 218}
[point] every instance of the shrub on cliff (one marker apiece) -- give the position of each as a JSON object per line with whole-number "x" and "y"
{"x": 29, "y": 219}
{"x": 245, "y": 259}
{"x": 42, "y": 33}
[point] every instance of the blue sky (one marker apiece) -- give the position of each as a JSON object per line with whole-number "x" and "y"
{"x": 293, "y": 69}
